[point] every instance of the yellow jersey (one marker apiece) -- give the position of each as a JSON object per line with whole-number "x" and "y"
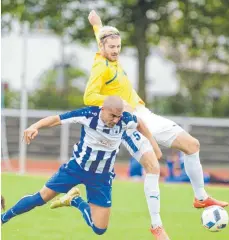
{"x": 108, "y": 78}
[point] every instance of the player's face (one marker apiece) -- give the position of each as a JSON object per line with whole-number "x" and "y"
{"x": 111, "y": 48}
{"x": 111, "y": 116}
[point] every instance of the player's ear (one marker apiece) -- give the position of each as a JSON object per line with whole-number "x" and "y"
{"x": 101, "y": 45}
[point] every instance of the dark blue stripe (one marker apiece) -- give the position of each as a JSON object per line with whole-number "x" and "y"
{"x": 106, "y": 130}
{"x": 135, "y": 118}
{"x": 86, "y": 156}
{"x": 80, "y": 144}
{"x": 120, "y": 125}
{"x": 94, "y": 122}
{"x": 127, "y": 117}
{"x": 108, "y": 162}
{"x": 99, "y": 157}
{"x": 112, "y": 78}
{"x": 129, "y": 142}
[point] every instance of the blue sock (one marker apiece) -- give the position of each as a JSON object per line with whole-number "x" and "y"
{"x": 26, "y": 204}
{"x": 85, "y": 209}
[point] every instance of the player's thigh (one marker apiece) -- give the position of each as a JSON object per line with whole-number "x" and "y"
{"x": 163, "y": 130}
{"x": 100, "y": 215}
{"x": 141, "y": 149}
{"x": 68, "y": 176}
{"x": 136, "y": 144}
{"x": 186, "y": 143}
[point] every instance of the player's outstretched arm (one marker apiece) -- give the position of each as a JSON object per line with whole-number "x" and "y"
{"x": 96, "y": 23}
{"x": 31, "y": 132}
{"x": 142, "y": 128}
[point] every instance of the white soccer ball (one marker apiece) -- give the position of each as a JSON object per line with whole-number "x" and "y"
{"x": 214, "y": 218}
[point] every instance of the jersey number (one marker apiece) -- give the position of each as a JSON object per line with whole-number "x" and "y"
{"x": 137, "y": 136}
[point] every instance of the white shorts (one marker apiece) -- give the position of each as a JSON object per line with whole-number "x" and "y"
{"x": 163, "y": 130}
{"x": 136, "y": 144}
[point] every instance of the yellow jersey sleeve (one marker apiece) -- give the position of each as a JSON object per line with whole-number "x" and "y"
{"x": 96, "y": 32}
{"x": 92, "y": 94}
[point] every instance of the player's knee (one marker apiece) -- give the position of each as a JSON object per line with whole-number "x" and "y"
{"x": 99, "y": 231}
{"x": 47, "y": 194}
{"x": 150, "y": 163}
{"x": 194, "y": 146}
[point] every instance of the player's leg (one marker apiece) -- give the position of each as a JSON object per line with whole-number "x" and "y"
{"x": 95, "y": 216}
{"x": 140, "y": 148}
{"x": 28, "y": 202}
{"x": 61, "y": 182}
{"x": 96, "y": 211}
{"x": 100, "y": 216}
{"x": 169, "y": 134}
{"x": 191, "y": 147}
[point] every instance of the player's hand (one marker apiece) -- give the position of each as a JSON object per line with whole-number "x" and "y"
{"x": 94, "y": 18}
{"x": 156, "y": 148}
{"x": 29, "y": 134}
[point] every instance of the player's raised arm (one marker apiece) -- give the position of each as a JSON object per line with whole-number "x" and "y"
{"x": 31, "y": 132}
{"x": 96, "y": 23}
{"x": 142, "y": 128}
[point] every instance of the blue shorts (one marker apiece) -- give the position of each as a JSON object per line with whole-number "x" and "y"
{"x": 98, "y": 186}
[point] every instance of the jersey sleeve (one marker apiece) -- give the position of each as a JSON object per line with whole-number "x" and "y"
{"x": 130, "y": 120}
{"x": 92, "y": 94}
{"x": 76, "y": 116}
{"x": 96, "y": 32}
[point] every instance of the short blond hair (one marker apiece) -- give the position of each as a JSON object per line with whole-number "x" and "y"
{"x": 108, "y": 31}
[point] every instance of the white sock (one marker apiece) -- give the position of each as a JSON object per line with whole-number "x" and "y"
{"x": 152, "y": 193}
{"x": 194, "y": 171}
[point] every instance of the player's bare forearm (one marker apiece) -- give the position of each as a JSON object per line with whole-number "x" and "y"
{"x": 50, "y": 121}
{"x": 31, "y": 132}
{"x": 142, "y": 128}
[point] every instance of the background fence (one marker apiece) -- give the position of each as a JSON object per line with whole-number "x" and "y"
{"x": 56, "y": 143}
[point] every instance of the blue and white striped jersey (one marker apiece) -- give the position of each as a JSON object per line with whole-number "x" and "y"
{"x": 98, "y": 146}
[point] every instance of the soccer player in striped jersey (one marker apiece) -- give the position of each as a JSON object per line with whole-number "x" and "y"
{"x": 92, "y": 162}
{"x": 108, "y": 78}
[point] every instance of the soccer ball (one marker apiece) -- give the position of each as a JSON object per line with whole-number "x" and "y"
{"x": 214, "y": 218}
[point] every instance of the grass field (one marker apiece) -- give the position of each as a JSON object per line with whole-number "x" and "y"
{"x": 129, "y": 219}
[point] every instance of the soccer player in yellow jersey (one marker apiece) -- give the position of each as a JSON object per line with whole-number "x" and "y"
{"x": 109, "y": 78}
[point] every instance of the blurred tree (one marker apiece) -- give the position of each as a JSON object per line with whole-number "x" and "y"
{"x": 11, "y": 98}
{"x": 47, "y": 97}
{"x": 199, "y": 44}
{"x": 136, "y": 18}
{"x": 195, "y": 30}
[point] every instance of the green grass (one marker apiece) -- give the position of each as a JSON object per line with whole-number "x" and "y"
{"x": 129, "y": 219}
